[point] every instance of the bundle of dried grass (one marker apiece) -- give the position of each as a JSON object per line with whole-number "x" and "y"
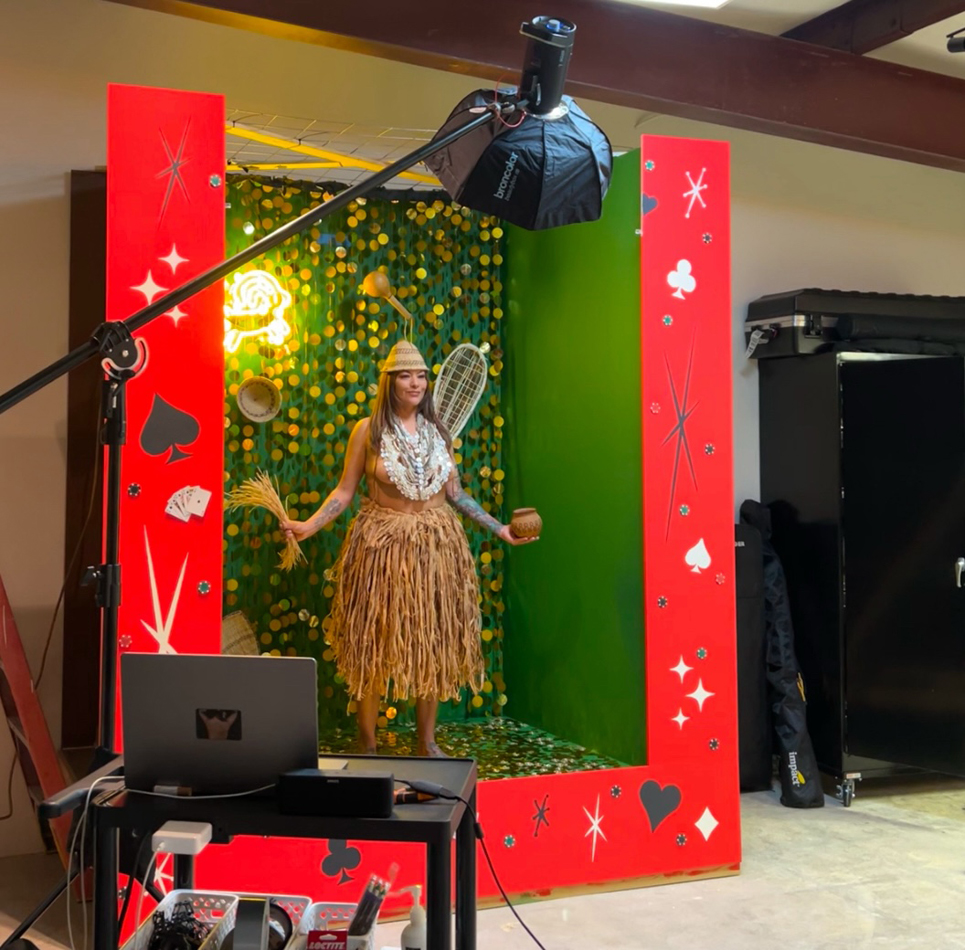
{"x": 262, "y": 492}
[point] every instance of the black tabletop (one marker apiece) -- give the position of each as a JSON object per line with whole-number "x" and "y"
{"x": 259, "y": 815}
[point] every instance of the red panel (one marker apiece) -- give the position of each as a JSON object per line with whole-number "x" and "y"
{"x": 675, "y": 817}
{"x": 165, "y": 224}
{"x": 688, "y": 498}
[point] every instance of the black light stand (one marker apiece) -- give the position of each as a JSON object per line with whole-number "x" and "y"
{"x": 548, "y": 51}
{"x": 123, "y": 357}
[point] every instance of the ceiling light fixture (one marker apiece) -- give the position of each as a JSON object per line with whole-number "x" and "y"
{"x": 704, "y": 4}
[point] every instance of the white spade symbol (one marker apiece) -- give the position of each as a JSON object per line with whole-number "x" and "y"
{"x": 682, "y": 279}
{"x": 698, "y": 557}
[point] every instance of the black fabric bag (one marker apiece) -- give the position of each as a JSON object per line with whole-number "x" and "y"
{"x": 753, "y": 712}
{"x": 800, "y": 779}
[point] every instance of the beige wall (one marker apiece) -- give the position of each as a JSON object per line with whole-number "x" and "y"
{"x": 803, "y": 215}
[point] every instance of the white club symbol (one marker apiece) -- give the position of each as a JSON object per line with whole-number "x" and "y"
{"x": 682, "y": 279}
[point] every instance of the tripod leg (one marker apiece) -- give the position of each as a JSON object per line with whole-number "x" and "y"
{"x": 37, "y": 912}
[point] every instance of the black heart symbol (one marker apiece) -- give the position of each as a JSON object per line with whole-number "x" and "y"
{"x": 340, "y": 860}
{"x": 659, "y": 802}
{"x": 167, "y": 428}
{"x": 649, "y": 204}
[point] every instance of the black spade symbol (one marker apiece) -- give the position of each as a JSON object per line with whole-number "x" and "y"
{"x": 340, "y": 860}
{"x": 659, "y": 802}
{"x": 166, "y": 429}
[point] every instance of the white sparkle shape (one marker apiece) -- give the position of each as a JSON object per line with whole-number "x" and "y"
{"x": 174, "y": 259}
{"x": 164, "y": 874}
{"x": 699, "y": 695}
{"x": 149, "y": 288}
{"x": 680, "y": 718}
{"x": 696, "y": 187}
{"x": 161, "y": 631}
{"x": 681, "y": 669}
{"x": 706, "y": 824}
{"x": 176, "y": 314}
{"x": 594, "y": 828}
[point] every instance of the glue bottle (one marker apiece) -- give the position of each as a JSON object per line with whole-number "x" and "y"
{"x": 414, "y": 935}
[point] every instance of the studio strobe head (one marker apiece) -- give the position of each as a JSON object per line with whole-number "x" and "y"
{"x": 548, "y": 50}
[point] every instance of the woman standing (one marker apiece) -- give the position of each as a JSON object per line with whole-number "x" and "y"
{"x": 406, "y": 608}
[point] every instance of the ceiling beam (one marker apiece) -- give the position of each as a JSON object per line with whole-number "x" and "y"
{"x": 861, "y": 26}
{"x": 649, "y": 60}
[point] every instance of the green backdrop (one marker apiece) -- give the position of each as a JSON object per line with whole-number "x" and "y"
{"x": 574, "y": 630}
{"x": 445, "y": 262}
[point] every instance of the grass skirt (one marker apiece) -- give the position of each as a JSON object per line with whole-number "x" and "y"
{"x": 406, "y": 607}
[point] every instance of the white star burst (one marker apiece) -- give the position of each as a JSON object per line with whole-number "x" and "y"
{"x": 174, "y": 259}
{"x": 706, "y": 824}
{"x": 594, "y": 828}
{"x": 681, "y": 669}
{"x": 149, "y": 288}
{"x": 680, "y": 718}
{"x": 700, "y": 695}
{"x": 696, "y": 187}
{"x": 176, "y": 314}
{"x": 161, "y": 631}
{"x": 164, "y": 874}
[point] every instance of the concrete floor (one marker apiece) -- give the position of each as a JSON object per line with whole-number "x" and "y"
{"x": 887, "y": 872}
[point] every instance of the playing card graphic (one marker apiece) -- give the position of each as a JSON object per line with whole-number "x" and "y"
{"x": 340, "y": 860}
{"x": 185, "y": 502}
{"x": 698, "y": 557}
{"x": 168, "y": 428}
{"x": 682, "y": 280}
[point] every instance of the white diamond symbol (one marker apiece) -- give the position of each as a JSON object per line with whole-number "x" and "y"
{"x": 680, "y": 718}
{"x": 681, "y": 669}
{"x": 700, "y": 694}
{"x": 174, "y": 259}
{"x": 149, "y": 288}
{"x": 706, "y": 824}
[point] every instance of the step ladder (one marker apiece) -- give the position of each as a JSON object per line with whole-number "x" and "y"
{"x": 35, "y": 750}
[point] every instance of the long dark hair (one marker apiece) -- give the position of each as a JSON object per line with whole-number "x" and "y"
{"x": 386, "y": 408}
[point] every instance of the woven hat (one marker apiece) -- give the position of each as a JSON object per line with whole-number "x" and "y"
{"x": 404, "y": 356}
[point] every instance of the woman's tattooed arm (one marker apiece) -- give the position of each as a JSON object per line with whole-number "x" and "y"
{"x": 466, "y": 505}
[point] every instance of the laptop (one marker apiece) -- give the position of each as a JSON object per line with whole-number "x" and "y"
{"x": 216, "y": 724}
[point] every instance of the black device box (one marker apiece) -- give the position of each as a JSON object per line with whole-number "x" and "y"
{"x": 799, "y": 322}
{"x": 336, "y": 793}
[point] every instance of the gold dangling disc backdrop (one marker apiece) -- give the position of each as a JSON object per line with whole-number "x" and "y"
{"x": 444, "y": 261}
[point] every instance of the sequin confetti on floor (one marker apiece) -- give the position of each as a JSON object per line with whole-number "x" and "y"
{"x": 502, "y": 748}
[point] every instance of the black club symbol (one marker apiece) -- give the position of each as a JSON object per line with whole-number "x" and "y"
{"x": 340, "y": 860}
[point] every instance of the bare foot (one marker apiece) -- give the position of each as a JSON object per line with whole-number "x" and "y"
{"x": 365, "y": 749}
{"x": 431, "y": 751}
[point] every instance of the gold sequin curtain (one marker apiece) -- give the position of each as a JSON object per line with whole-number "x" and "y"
{"x": 445, "y": 262}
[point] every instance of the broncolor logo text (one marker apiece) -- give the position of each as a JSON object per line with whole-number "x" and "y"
{"x": 504, "y": 182}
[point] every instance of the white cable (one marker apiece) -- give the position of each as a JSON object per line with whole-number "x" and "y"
{"x": 80, "y": 828}
{"x": 140, "y": 897}
{"x": 197, "y": 798}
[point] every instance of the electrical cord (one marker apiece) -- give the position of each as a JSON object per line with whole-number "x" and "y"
{"x": 440, "y": 791}
{"x": 80, "y": 829}
{"x": 201, "y": 798}
{"x": 140, "y": 897}
{"x": 60, "y": 599}
{"x": 13, "y": 768}
{"x": 130, "y": 882}
{"x": 74, "y": 556}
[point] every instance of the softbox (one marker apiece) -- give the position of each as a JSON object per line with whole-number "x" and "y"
{"x": 537, "y": 172}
